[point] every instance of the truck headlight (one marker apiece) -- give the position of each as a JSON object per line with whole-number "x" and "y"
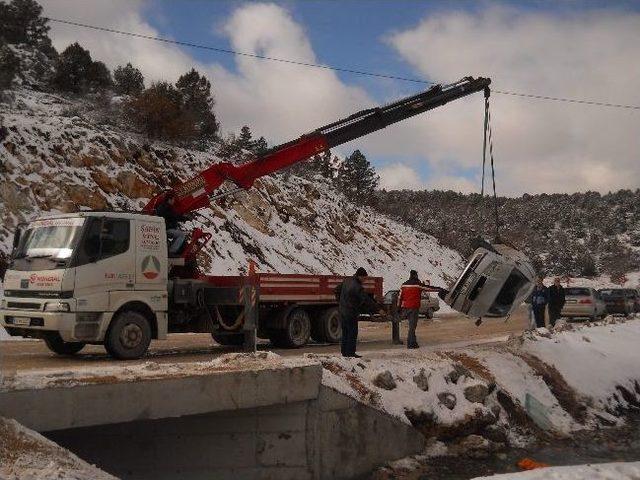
{"x": 56, "y": 307}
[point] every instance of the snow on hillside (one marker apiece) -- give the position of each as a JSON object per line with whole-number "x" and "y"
{"x": 58, "y": 156}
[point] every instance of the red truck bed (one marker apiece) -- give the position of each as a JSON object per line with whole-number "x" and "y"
{"x": 302, "y": 288}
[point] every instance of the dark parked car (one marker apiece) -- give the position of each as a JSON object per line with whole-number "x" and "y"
{"x": 635, "y": 294}
{"x": 619, "y": 301}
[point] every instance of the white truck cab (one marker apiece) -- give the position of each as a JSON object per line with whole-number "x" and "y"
{"x": 89, "y": 278}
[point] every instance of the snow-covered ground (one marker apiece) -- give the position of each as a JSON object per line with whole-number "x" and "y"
{"x": 55, "y": 378}
{"x": 600, "y": 471}
{"x": 578, "y": 378}
{"x": 27, "y": 455}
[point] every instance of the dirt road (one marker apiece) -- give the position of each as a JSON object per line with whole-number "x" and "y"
{"x": 444, "y": 329}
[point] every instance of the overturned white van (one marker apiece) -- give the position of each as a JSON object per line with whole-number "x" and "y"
{"x": 497, "y": 279}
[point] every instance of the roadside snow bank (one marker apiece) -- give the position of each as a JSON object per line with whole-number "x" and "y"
{"x": 536, "y": 385}
{"x": 38, "y": 379}
{"x": 27, "y": 455}
{"x": 601, "y": 471}
{"x": 600, "y": 362}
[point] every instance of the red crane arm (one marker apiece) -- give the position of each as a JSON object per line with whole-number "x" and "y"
{"x": 195, "y": 193}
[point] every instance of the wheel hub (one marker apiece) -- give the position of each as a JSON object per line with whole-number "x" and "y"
{"x": 131, "y": 335}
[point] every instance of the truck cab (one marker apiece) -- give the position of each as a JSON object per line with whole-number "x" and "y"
{"x": 88, "y": 278}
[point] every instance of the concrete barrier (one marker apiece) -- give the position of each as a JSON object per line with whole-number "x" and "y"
{"x": 268, "y": 424}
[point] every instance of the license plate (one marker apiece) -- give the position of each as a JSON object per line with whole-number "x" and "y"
{"x": 21, "y": 321}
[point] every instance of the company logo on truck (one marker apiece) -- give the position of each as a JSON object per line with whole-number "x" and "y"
{"x": 150, "y": 267}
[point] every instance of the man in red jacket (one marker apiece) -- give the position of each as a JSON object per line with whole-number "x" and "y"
{"x": 409, "y": 300}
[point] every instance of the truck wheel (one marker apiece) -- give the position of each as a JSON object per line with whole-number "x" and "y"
{"x": 128, "y": 336}
{"x": 296, "y": 332}
{"x": 429, "y": 313}
{"x": 329, "y": 325}
{"x": 236, "y": 339}
{"x": 57, "y": 345}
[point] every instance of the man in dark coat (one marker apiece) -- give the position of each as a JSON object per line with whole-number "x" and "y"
{"x": 556, "y": 301}
{"x": 539, "y": 301}
{"x": 352, "y": 302}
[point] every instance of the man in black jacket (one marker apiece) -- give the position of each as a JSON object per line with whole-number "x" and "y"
{"x": 352, "y": 302}
{"x": 556, "y": 301}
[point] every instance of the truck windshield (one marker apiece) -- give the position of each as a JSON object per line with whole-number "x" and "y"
{"x": 52, "y": 239}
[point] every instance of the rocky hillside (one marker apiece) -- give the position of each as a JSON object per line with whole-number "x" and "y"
{"x": 582, "y": 234}
{"x": 62, "y": 155}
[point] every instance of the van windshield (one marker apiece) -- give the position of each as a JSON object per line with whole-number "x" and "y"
{"x": 52, "y": 239}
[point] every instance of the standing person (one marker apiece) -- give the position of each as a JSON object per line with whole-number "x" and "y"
{"x": 409, "y": 300}
{"x": 556, "y": 301}
{"x": 353, "y": 301}
{"x": 539, "y": 301}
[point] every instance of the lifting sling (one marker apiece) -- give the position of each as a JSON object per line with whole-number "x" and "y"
{"x": 497, "y": 277}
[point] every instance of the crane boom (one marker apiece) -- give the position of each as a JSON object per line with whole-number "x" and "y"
{"x": 195, "y": 193}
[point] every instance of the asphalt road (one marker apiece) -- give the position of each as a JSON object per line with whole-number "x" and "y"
{"x": 446, "y": 330}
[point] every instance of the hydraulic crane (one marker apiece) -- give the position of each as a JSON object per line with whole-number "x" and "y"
{"x": 196, "y": 192}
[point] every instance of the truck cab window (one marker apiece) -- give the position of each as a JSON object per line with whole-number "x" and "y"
{"x": 103, "y": 238}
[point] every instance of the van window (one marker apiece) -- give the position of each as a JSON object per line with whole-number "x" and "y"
{"x": 508, "y": 293}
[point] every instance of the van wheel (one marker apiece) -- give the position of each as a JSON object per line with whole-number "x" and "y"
{"x": 57, "y": 345}
{"x": 234, "y": 339}
{"x": 129, "y": 336}
{"x": 296, "y": 332}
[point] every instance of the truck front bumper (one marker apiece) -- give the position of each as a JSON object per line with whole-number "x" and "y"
{"x": 72, "y": 326}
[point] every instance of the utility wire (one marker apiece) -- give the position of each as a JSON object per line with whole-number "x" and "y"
{"x": 330, "y": 67}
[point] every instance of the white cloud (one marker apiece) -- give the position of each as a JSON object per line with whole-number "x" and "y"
{"x": 158, "y": 61}
{"x": 540, "y": 146}
{"x": 400, "y": 176}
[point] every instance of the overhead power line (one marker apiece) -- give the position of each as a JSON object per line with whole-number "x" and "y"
{"x": 331, "y": 67}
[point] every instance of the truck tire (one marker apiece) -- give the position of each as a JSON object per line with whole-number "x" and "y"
{"x": 235, "y": 339}
{"x": 296, "y": 332}
{"x": 328, "y": 326}
{"x": 428, "y": 314}
{"x": 129, "y": 336}
{"x": 57, "y": 345}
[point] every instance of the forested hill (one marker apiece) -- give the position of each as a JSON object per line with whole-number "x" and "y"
{"x": 582, "y": 234}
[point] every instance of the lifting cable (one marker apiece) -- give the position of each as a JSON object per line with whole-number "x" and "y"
{"x": 488, "y": 139}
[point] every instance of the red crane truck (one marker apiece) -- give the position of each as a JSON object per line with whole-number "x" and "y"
{"x": 113, "y": 278}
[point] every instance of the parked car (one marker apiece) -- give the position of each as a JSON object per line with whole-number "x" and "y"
{"x": 428, "y": 303}
{"x": 619, "y": 301}
{"x": 583, "y": 302}
{"x": 635, "y": 294}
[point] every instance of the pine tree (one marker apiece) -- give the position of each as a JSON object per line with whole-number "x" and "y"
{"x": 72, "y": 69}
{"x": 260, "y": 146}
{"x": 98, "y": 77}
{"x": 9, "y": 67}
{"x": 128, "y": 80}
{"x": 244, "y": 139}
{"x": 198, "y": 103}
{"x": 21, "y": 22}
{"x": 356, "y": 178}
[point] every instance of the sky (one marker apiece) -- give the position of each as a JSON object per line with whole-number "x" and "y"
{"x": 575, "y": 49}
